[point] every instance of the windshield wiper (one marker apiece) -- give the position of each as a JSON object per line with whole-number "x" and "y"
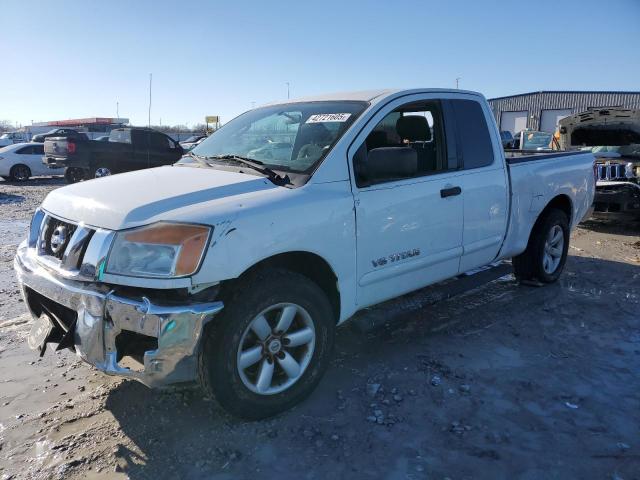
{"x": 258, "y": 166}
{"x": 199, "y": 158}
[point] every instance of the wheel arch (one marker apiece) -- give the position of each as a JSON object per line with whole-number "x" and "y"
{"x": 16, "y": 165}
{"x": 309, "y": 264}
{"x": 560, "y": 202}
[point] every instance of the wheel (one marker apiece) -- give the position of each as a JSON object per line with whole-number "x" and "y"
{"x": 20, "y": 173}
{"x": 101, "y": 171}
{"x": 546, "y": 253}
{"x": 74, "y": 174}
{"x": 269, "y": 347}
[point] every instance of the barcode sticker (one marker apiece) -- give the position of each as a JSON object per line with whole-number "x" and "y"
{"x": 328, "y": 117}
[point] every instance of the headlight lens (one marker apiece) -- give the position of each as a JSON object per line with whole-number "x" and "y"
{"x": 159, "y": 250}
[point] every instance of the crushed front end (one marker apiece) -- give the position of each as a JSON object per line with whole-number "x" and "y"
{"x": 617, "y": 189}
{"x": 59, "y": 268}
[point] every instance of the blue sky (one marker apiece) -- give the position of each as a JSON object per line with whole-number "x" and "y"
{"x": 70, "y": 59}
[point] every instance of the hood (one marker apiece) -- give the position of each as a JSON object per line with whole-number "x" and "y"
{"x": 611, "y": 127}
{"x": 145, "y": 196}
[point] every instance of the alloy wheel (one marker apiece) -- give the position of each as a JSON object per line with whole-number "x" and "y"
{"x": 276, "y": 348}
{"x": 553, "y": 248}
{"x": 102, "y": 172}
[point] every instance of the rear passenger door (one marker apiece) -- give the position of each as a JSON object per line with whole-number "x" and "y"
{"x": 483, "y": 180}
{"x": 409, "y": 224}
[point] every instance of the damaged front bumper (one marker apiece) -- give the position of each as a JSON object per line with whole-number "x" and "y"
{"x": 105, "y": 325}
{"x": 617, "y": 198}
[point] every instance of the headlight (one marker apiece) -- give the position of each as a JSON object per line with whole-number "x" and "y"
{"x": 158, "y": 250}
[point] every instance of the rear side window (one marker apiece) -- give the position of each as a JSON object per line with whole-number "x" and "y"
{"x": 25, "y": 150}
{"x": 120, "y": 136}
{"x": 473, "y": 134}
{"x": 160, "y": 142}
{"x": 37, "y": 149}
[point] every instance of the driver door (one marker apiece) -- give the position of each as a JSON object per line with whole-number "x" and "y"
{"x": 409, "y": 229}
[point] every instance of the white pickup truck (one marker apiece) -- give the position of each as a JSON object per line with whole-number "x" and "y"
{"x": 235, "y": 271}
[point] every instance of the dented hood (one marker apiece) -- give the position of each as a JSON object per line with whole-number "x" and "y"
{"x": 171, "y": 193}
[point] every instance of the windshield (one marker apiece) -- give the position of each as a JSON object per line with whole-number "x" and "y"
{"x": 6, "y": 135}
{"x": 292, "y": 137}
{"x": 536, "y": 140}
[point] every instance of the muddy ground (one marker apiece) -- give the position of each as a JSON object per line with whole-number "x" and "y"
{"x": 501, "y": 382}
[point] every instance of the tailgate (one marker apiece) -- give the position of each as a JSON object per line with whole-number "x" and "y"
{"x": 56, "y": 147}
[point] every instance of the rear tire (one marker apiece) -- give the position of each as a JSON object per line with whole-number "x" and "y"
{"x": 546, "y": 253}
{"x": 232, "y": 336}
{"x": 20, "y": 173}
{"x": 74, "y": 174}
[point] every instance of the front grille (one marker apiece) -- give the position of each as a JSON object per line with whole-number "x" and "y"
{"x": 56, "y": 236}
{"x": 611, "y": 171}
{"x": 63, "y": 244}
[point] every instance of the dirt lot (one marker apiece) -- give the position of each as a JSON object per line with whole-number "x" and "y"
{"x": 501, "y": 382}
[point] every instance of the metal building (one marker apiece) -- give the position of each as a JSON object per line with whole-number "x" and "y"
{"x": 543, "y": 110}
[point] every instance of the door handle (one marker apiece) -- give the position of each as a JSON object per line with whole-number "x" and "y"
{"x": 450, "y": 192}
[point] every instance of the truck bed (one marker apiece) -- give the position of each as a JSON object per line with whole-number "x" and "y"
{"x": 536, "y": 179}
{"x": 522, "y": 156}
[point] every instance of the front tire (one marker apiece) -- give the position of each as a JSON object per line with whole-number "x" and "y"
{"x": 546, "y": 253}
{"x": 269, "y": 347}
{"x": 20, "y": 173}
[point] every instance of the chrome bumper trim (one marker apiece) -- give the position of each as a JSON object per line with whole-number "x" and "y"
{"x": 102, "y": 315}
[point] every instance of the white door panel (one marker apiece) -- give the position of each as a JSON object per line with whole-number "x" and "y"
{"x": 485, "y": 215}
{"x": 35, "y": 164}
{"x": 513, "y": 122}
{"x": 407, "y": 236}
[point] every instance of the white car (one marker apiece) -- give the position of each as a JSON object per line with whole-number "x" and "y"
{"x": 9, "y": 138}
{"x": 21, "y": 161}
{"x": 236, "y": 273}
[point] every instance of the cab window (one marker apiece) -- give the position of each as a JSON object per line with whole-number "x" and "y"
{"x": 408, "y": 142}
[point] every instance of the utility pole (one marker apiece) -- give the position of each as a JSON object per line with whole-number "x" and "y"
{"x": 457, "y": 83}
{"x": 150, "y": 80}
{"x": 288, "y": 91}
{"x": 117, "y": 109}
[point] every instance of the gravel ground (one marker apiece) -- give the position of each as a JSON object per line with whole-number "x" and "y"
{"x": 500, "y": 382}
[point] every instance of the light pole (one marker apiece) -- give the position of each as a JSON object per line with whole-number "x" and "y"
{"x": 150, "y": 80}
{"x": 288, "y": 91}
{"x": 457, "y": 83}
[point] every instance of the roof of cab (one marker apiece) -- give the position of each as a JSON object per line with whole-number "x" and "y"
{"x": 368, "y": 95}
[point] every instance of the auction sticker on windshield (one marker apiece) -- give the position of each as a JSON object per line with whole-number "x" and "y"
{"x": 328, "y": 117}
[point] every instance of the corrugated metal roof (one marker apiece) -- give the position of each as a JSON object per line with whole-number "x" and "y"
{"x": 605, "y": 92}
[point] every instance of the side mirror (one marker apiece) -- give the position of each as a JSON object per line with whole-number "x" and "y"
{"x": 389, "y": 163}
